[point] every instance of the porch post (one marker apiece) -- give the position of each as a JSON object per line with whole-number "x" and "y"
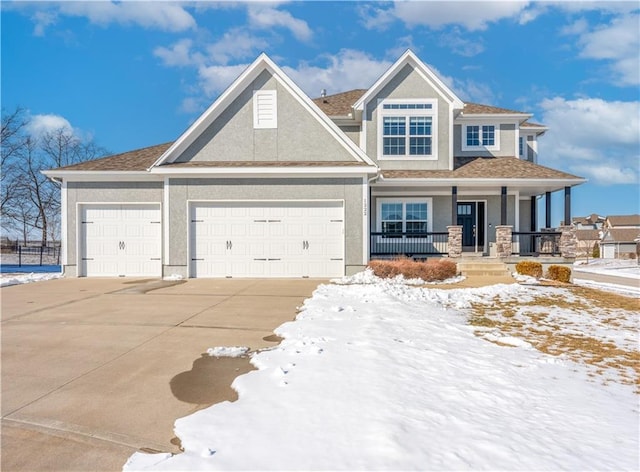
{"x": 567, "y": 206}
{"x": 503, "y": 206}
{"x": 454, "y": 205}
{"x": 547, "y": 209}
{"x": 534, "y": 214}
{"x": 455, "y": 240}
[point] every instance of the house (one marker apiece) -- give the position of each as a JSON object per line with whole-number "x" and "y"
{"x": 620, "y": 243}
{"x": 269, "y": 183}
{"x": 592, "y": 221}
{"x": 622, "y": 221}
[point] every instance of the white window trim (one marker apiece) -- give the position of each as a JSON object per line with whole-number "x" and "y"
{"x": 495, "y": 147}
{"x": 271, "y": 123}
{"x": 433, "y": 113}
{"x": 427, "y": 200}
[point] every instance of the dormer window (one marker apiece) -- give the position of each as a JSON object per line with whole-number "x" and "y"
{"x": 481, "y": 137}
{"x": 407, "y": 129}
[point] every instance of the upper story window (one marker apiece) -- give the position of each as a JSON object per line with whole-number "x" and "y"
{"x": 521, "y": 146}
{"x": 481, "y": 137}
{"x": 407, "y": 129}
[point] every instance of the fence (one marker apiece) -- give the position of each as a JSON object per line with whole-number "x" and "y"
{"x": 32, "y": 255}
{"x": 530, "y": 243}
{"x": 408, "y": 244}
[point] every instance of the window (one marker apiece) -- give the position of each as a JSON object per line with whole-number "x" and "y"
{"x": 265, "y": 109}
{"x": 521, "y": 146}
{"x": 397, "y": 217}
{"x": 407, "y": 129}
{"x": 480, "y": 137}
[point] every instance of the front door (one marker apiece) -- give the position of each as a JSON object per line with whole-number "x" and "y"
{"x": 471, "y": 218}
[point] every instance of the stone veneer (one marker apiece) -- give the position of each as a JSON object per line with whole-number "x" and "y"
{"x": 455, "y": 241}
{"x": 568, "y": 242}
{"x": 504, "y": 241}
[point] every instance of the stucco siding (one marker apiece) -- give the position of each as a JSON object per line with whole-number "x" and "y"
{"x": 507, "y": 143}
{"x": 299, "y": 136}
{"x": 184, "y": 191}
{"x": 525, "y": 215}
{"x": 409, "y": 84}
{"x": 352, "y": 132}
{"x": 103, "y": 192}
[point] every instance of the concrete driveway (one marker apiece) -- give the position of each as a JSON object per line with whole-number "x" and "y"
{"x": 96, "y": 369}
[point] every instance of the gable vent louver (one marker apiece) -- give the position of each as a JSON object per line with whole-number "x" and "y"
{"x": 265, "y": 109}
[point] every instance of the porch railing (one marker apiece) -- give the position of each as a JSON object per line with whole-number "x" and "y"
{"x": 536, "y": 243}
{"x": 408, "y": 244}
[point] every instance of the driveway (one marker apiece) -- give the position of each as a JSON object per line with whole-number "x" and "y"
{"x": 96, "y": 369}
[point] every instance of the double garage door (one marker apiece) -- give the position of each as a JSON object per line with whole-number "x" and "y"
{"x": 120, "y": 240}
{"x": 266, "y": 239}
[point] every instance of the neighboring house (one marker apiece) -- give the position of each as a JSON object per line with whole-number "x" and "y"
{"x": 593, "y": 221}
{"x": 620, "y": 243}
{"x": 622, "y": 221}
{"x": 269, "y": 183}
{"x": 588, "y": 239}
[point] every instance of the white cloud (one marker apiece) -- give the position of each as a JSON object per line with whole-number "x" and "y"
{"x": 164, "y": 16}
{"x": 349, "y": 69}
{"x": 618, "y": 42}
{"x": 214, "y": 79}
{"x": 39, "y": 125}
{"x": 593, "y": 137}
{"x": 264, "y": 16}
{"x": 460, "y": 45}
{"x": 236, "y": 44}
{"x": 472, "y": 15}
{"x": 179, "y": 54}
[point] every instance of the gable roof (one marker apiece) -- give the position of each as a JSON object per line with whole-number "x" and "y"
{"x": 624, "y": 220}
{"x": 262, "y": 63}
{"x": 621, "y": 235}
{"x": 485, "y": 168}
{"x": 409, "y": 58}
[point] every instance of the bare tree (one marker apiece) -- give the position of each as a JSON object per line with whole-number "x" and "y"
{"x": 30, "y": 200}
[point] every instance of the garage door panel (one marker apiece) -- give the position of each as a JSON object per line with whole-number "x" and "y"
{"x": 268, "y": 239}
{"x": 120, "y": 240}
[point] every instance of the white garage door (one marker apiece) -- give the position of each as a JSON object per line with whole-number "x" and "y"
{"x": 267, "y": 239}
{"x": 120, "y": 240}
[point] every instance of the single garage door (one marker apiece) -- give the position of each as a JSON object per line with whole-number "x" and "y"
{"x": 120, "y": 240}
{"x": 267, "y": 239}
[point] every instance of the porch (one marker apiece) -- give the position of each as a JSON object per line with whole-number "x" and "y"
{"x": 490, "y": 222}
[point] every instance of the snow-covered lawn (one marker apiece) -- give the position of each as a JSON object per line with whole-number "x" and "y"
{"x": 618, "y": 267}
{"x": 16, "y": 278}
{"x": 387, "y": 376}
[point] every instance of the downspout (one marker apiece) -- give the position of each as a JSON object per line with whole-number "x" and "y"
{"x": 369, "y": 182}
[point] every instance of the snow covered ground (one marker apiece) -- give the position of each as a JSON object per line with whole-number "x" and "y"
{"x": 618, "y": 267}
{"x": 387, "y": 376}
{"x": 16, "y": 278}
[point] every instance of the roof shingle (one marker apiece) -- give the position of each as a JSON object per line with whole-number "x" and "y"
{"x": 138, "y": 160}
{"x": 484, "y": 168}
{"x": 339, "y": 104}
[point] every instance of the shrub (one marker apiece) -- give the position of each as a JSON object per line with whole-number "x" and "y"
{"x": 429, "y": 271}
{"x": 531, "y": 268}
{"x": 559, "y": 273}
{"x": 596, "y": 251}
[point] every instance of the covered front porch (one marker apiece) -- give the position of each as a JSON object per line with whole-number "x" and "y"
{"x": 431, "y": 217}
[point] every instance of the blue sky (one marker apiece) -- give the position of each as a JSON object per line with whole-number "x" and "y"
{"x": 134, "y": 74}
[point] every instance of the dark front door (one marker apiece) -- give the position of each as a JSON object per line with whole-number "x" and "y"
{"x": 471, "y": 218}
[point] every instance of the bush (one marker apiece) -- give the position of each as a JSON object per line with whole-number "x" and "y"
{"x": 559, "y": 273}
{"x": 531, "y": 268}
{"x": 596, "y": 251}
{"x": 429, "y": 271}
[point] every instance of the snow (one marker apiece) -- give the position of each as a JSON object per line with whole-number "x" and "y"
{"x": 383, "y": 375}
{"x": 618, "y": 267}
{"x": 224, "y": 351}
{"x": 174, "y": 277}
{"x": 16, "y": 279}
{"x": 368, "y": 277}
